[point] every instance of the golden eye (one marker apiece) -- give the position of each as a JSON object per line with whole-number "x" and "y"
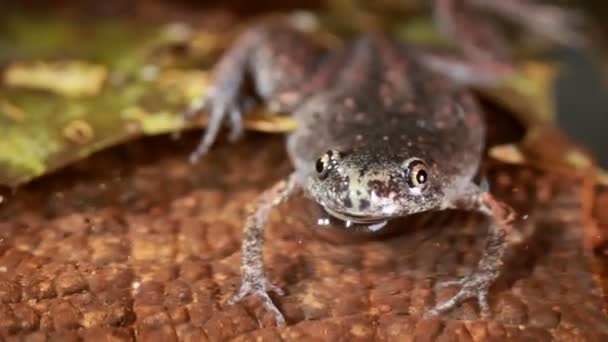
{"x": 324, "y": 164}
{"x": 416, "y": 173}
{"x": 321, "y": 165}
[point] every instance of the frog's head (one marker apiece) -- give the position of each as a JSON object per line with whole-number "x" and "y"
{"x": 370, "y": 187}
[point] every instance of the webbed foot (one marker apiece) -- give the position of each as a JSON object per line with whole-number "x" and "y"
{"x": 259, "y": 287}
{"x": 475, "y": 285}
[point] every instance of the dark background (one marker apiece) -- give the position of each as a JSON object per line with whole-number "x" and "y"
{"x": 582, "y": 102}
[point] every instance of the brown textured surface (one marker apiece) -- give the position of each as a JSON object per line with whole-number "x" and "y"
{"x": 137, "y": 243}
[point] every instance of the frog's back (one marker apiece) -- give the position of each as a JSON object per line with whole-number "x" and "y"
{"x": 383, "y": 98}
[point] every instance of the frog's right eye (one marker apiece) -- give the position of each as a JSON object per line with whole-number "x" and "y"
{"x": 325, "y": 163}
{"x": 416, "y": 173}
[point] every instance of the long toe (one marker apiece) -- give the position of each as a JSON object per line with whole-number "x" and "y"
{"x": 275, "y": 289}
{"x": 196, "y": 109}
{"x": 191, "y": 113}
{"x": 200, "y": 151}
{"x": 448, "y": 304}
{"x": 243, "y": 291}
{"x": 236, "y": 124}
{"x": 449, "y": 283}
{"x": 269, "y": 305}
{"x": 482, "y": 300}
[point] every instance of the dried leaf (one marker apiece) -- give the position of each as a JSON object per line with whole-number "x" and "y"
{"x": 55, "y": 110}
{"x": 508, "y": 153}
{"x": 65, "y": 78}
{"x": 528, "y": 94}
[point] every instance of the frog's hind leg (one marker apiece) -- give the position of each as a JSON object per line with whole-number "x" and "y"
{"x": 485, "y": 46}
{"x": 554, "y": 22}
{"x": 501, "y": 232}
{"x": 254, "y": 281}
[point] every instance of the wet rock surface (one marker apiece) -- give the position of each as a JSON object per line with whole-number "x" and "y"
{"x": 136, "y": 243}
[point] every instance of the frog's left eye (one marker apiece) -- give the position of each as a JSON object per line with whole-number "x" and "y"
{"x": 325, "y": 163}
{"x": 416, "y": 173}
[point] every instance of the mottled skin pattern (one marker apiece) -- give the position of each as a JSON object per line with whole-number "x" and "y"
{"x": 377, "y": 115}
{"x": 384, "y": 131}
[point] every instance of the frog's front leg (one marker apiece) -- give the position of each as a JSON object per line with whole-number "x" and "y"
{"x": 254, "y": 281}
{"x": 501, "y": 231}
{"x": 265, "y": 59}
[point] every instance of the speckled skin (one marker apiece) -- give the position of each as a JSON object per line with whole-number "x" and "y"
{"x": 366, "y": 113}
{"x": 383, "y": 109}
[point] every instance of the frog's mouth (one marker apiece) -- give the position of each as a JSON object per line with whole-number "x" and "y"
{"x": 356, "y": 218}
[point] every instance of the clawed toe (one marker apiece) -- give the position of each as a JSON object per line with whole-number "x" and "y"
{"x": 473, "y": 286}
{"x": 191, "y": 113}
{"x": 449, "y": 283}
{"x": 197, "y": 154}
{"x": 236, "y": 124}
{"x": 279, "y": 291}
{"x": 239, "y": 295}
{"x": 196, "y": 109}
{"x": 269, "y": 305}
{"x": 261, "y": 292}
{"x": 482, "y": 301}
{"x": 219, "y": 111}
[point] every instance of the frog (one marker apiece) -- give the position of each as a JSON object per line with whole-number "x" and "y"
{"x": 384, "y": 129}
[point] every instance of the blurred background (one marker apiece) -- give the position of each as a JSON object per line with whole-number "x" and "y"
{"x": 79, "y": 76}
